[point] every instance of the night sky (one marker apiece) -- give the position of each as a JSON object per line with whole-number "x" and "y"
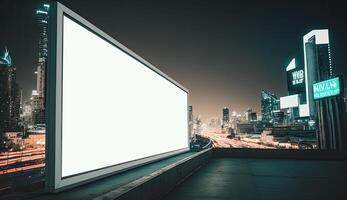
{"x": 224, "y": 52}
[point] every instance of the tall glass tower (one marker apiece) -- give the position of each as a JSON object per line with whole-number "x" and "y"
{"x": 39, "y": 99}
{"x": 190, "y": 120}
{"x": 328, "y": 112}
{"x": 317, "y": 62}
{"x": 226, "y": 117}
{"x": 42, "y": 21}
{"x": 9, "y": 94}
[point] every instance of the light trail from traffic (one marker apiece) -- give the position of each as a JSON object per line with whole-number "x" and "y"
{"x": 220, "y": 140}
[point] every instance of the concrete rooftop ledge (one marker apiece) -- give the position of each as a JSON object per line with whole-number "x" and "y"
{"x": 159, "y": 183}
{"x": 150, "y": 181}
{"x": 159, "y": 180}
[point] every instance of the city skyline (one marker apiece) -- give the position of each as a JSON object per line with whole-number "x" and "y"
{"x": 117, "y": 75}
{"x": 222, "y": 62}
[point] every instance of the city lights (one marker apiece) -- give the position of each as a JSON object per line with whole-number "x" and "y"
{"x": 77, "y": 106}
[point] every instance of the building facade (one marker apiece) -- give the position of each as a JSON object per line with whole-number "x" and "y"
{"x": 226, "y": 117}
{"x": 269, "y": 104}
{"x": 327, "y": 112}
{"x": 38, "y": 100}
{"x": 9, "y": 94}
{"x": 317, "y": 61}
{"x": 190, "y": 120}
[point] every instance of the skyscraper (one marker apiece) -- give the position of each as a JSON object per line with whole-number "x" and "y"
{"x": 190, "y": 119}
{"x": 296, "y": 86}
{"x": 253, "y": 117}
{"x": 317, "y": 63}
{"x": 190, "y": 113}
{"x": 269, "y": 103}
{"x": 248, "y": 114}
{"x": 9, "y": 94}
{"x": 39, "y": 99}
{"x": 226, "y": 118}
{"x": 328, "y": 112}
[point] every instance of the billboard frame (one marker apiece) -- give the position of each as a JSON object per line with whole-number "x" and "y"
{"x": 54, "y": 180}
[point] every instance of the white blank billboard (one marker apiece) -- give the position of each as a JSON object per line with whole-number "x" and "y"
{"x": 114, "y": 110}
{"x": 289, "y": 101}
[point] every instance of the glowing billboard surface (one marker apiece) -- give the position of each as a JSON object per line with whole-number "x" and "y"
{"x": 326, "y": 88}
{"x": 113, "y": 109}
{"x": 289, "y": 101}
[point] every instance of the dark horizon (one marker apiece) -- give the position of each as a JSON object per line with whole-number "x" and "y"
{"x": 224, "y": 53}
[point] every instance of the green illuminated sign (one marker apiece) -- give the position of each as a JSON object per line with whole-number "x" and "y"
{"x": 326, "y": 88}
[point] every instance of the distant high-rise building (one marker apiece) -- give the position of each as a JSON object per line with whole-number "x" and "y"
{"x": 248, "y": 114}
{"x": 269, "y": 103}
{"x": 26, "y": 114}
{"x": 226, "y": 118}
{"x": 253, "y": 117}
{"x": 38, "y": 114}
{"x": 190, "y": 119}
{"x": 190, "y": 113}
{"x": 9, "y": 94}
{"x": 197, "y": 126}
{"x": 42, "y": 21}
{"x": 5, "y": 58}
{"x": 278, "y": 117}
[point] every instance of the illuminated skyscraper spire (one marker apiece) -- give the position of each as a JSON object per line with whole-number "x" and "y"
{"x": 9, "y": 94}
{"x": 42, "y": 20}
{"x": 6, "y": 59}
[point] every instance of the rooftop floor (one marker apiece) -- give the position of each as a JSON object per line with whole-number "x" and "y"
{"x": 243, "y": 178}
{"x": 100, "y": 187}
{"x": 218, "y": 174}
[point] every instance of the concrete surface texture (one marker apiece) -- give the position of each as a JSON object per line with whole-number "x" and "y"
{"x": 241, "y": 179}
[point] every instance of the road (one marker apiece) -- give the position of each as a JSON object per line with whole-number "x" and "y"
{"x": 21, "y": 160}
{"x": 220, "y": 140}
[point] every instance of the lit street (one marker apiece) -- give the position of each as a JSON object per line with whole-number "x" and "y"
{"x": 220, "y": 140}
{"x": 21, "y": 160}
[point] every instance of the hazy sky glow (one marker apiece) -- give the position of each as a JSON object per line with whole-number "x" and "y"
{"x": 224, "y": 52}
